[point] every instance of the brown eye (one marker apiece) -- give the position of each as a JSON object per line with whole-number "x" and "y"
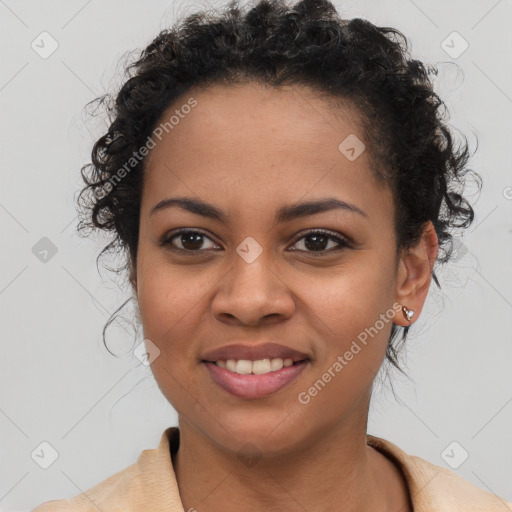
{"x": 321, "y": 242}
{"x": 318, "y": 241}
{"x": 186, "y": 241}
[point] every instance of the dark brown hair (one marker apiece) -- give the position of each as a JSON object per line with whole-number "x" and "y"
{"x": 308, "y": 44}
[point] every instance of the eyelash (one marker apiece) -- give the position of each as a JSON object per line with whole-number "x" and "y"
{"x": 166, "y": 241}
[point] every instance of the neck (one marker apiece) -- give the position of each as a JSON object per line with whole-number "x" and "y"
{"x": 335, "y": 470}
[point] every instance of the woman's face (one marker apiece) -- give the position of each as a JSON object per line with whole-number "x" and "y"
{"x": 254, "y": 277}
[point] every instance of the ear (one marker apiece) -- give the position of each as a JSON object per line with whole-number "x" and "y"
{"x": 415, "y": 273}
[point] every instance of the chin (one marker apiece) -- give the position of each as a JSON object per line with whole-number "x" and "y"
{"x": 257, "y": 435}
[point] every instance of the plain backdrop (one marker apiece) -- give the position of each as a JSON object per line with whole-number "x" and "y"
{"x": 98, "y": 412}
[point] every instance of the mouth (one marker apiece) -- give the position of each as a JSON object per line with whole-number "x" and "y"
{"x": 249, "y": 379}
{"x": 258, "y": 367}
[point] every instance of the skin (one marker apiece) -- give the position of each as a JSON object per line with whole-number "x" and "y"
{"x": 249, "y": 150}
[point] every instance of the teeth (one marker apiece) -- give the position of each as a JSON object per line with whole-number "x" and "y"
{"x": 244, "y": 367}
{"x": 231, "y": 365}
{"x": 259, "y": 367}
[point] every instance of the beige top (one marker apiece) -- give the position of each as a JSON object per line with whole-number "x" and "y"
{"x": 150, "y": 485}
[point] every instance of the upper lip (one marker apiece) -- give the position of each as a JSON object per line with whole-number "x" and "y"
{"x": 253, "y": 352}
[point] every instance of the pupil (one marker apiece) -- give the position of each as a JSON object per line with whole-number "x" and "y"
{"x": 192, "y": 238}
{"x": 319, "y": 242}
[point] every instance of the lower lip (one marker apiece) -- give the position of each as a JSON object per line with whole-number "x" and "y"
{"x": 254, "y": 386}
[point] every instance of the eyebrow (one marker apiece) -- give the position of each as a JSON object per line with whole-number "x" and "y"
{"x": 284, "y": 214}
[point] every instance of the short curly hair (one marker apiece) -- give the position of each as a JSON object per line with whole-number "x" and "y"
{"x": 411, "y": 148}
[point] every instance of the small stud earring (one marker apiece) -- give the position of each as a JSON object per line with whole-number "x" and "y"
{"x": 408, "y": 313}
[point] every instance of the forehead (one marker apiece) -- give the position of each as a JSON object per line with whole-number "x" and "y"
{"x": 252, "y": 117}
{"x": 260, "y": 145}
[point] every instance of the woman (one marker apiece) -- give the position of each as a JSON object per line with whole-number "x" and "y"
{"x": 283, "y": 184}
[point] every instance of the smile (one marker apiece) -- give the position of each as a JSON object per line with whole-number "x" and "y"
{"x": 259, "y": 367}
{"x": 254, "y": 379}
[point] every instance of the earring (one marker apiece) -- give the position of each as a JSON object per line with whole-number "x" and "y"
{"x": 408, "y": 313}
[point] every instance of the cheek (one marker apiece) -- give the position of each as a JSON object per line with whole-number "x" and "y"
{"x": 165, "y": 292}
{"x": 168, "y": 300}
{"x": 170, "y": 304}
{"x": 350, "y": 344}
{"x": 350, "y": 313}
{"x": 352, "y": 296}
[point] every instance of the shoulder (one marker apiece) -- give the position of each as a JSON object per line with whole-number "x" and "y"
{"x": 434, "y": 487}
{"x": 125, "y": 484}
{"x": 447, "y": 490}
{"x": 150, "y": 483}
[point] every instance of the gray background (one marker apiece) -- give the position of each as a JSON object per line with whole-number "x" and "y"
{"x": 59, "y": 384}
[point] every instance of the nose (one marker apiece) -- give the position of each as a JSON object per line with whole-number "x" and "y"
{"x": 251, "y": 294}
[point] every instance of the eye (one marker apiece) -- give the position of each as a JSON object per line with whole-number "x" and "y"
{"x": 316, "y": 241}
{"x": 189, "y": 240}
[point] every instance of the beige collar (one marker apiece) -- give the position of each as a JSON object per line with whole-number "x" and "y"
{"x": 432, "y": 488}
